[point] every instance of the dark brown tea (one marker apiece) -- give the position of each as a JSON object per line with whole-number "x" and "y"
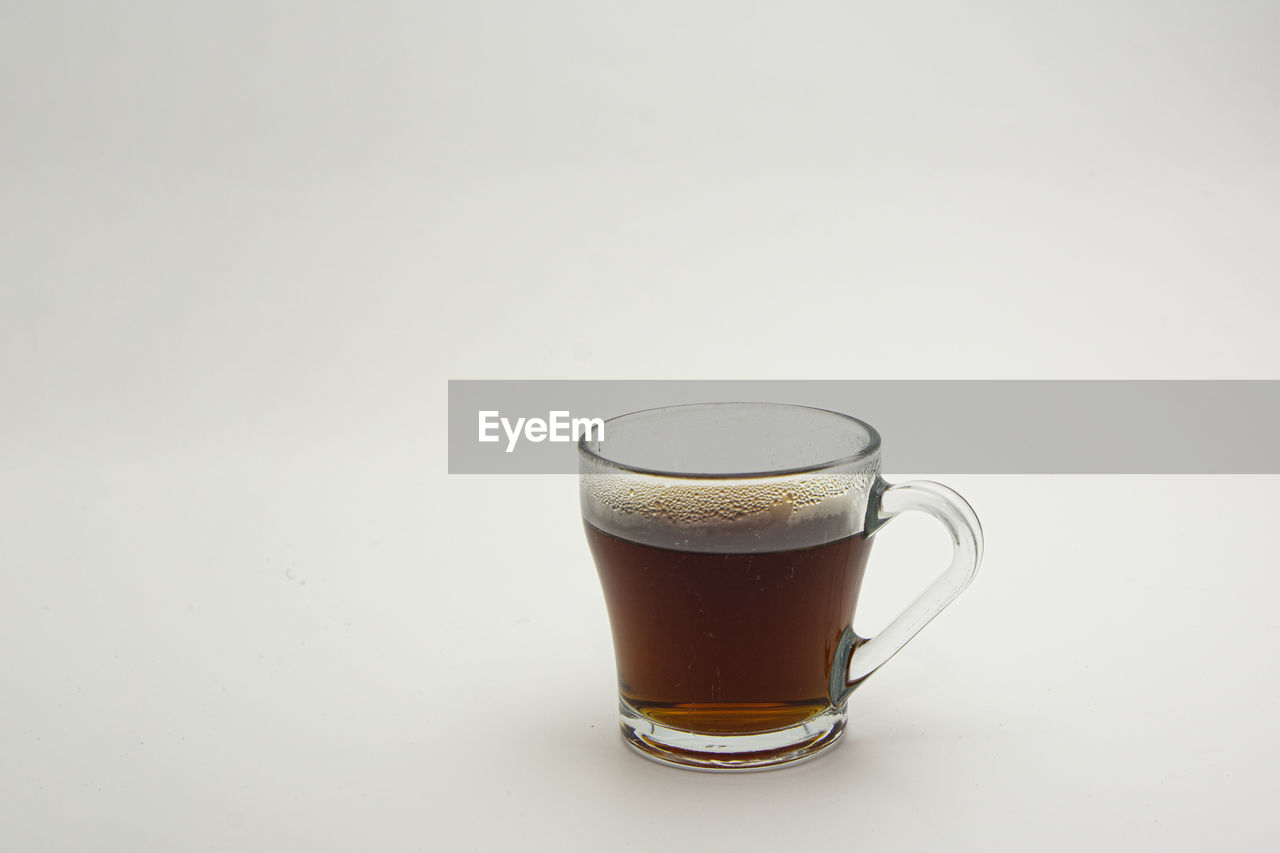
{"x": 727, "y": 643}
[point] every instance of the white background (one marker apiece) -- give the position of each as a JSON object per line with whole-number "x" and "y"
{"x": 243, "y": 245}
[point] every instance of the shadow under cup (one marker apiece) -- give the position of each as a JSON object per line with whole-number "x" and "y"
{"x": 730, "y": 540}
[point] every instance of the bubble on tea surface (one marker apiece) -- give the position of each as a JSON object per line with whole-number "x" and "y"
{"x": 693, "y": 506}
{"x": 697, "y": 502}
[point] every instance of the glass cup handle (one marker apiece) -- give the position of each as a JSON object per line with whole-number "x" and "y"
{"x": 856, "y": 657}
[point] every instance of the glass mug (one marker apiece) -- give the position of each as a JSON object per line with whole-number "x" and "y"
{"x": 730, "y": 540}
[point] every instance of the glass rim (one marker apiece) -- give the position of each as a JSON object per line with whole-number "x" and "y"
{"x": 871, "y": 449}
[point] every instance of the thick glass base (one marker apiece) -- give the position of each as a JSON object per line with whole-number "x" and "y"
{"x": 722, "y": 752}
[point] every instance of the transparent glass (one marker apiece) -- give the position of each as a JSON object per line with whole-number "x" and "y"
{"x": 730, "y": 540}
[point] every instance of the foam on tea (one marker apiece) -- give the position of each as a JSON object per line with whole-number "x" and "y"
{"x": 726, "y": 515}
